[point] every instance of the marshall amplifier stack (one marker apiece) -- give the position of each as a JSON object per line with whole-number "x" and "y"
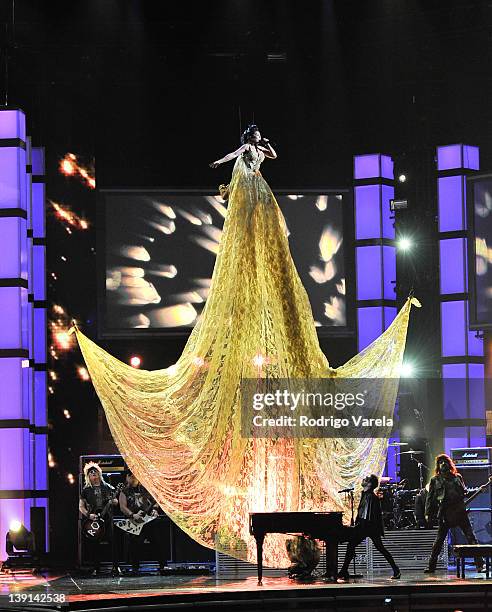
{"x": 475, "y": 465}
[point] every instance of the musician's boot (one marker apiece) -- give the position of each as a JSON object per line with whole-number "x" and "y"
{"x": 396, "y": 573}
{"x": 116, "y": 571}
{"x": 430, "y": 570}
{"x": 343, "y": 576}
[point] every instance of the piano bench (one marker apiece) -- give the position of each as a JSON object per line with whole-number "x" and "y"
{"x": 467, "y": 551}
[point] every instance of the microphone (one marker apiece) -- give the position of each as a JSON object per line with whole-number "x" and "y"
{"x": 349, "y": 490}
{"x": 266, "y": 141}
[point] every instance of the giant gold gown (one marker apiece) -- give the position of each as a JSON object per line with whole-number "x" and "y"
{"x": 179, "y": 428}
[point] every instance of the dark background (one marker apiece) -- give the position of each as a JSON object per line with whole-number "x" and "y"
{"x": 155, "y": 91}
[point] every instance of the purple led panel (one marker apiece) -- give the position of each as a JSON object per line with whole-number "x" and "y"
{"x": 37, "y": 156}
{"x": 13, "y": 239}
{"x": 471, "y": 157}
{"x": 476, "y": 390}
{"x": 12, "y": 124}
{"x": 475, "y": 344}
{"x": 477, "y": 436}
{"x": 452, "y": 265}
{"x": 389, "y": 316}
{"x": 12, "y": 300}
{"x": 451, "y": 205}
{"x": 453, "y": 329}
{"x": 40, "y": 398}
{"x": 455, "y": 157}
{"x": 12, "y": 177}
{"x": 40, "y": 461}
{"x": 40, "y": 325}
{"x": 388, "y": 193}
{"x": 39, "y": 272}
{"x": 13, "y": 443}
{"x": 366, "y": 166}
{"x": 455, "y": 405}
{"x": 455, "y": 437}
{"x": 10, "y": 509}
{"x": 387, "y": 167}
{"x": 38, "y": 210}
{"x": 389, "y": 272}
{"x": 367, "y": 212}
{"x": 11, "y": 388}
{"x": 391, "y": 463}
{"x": 369, "y": 325}
{"x": 450, "y": 157}
{"x": 369, "y": 272}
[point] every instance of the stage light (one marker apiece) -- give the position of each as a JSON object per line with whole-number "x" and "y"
{"x": 407, "y": 370}
{"x": 258, "y": 360}
{"x": 15, "y": 526}
{"x": 83, "y": 374}
{"x": 402, "y": 178}
{"x": 404, "y": 244}
{"x": 135, "y": 361}
{"x": 71, "y": 478}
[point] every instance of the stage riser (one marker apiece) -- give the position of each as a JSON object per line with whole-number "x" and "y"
{"x": 410, "y": 549}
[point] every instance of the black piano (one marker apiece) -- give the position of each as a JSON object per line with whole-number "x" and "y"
{"x": 325, "y": 526}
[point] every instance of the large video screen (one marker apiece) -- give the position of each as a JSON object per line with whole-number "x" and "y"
{"x": 159, "y": 250}
{"x": 479, "y": 200}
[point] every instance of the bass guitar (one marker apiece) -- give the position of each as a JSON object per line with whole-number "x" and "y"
{"x": 453, "y": 516}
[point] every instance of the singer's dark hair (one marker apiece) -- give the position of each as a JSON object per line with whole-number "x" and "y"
{"x": 374, "y": 481}
{"x": 248, "y": 132}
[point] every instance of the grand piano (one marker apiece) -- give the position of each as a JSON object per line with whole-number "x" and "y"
{"x": 325, "y": 526}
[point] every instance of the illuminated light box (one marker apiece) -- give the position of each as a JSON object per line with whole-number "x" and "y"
{"x": 453, "y": 328}
{"x": 40, "y": 399}
{"x": 369, "y": 325}
{"x": 14, "y": 444}
{"x": 12, "y": 301}
{"x": 389, "y": 315}
{"x": 388, "y": 193}
{"x": 367, "y": 211}
{"x": 12, "y": 124}
{"x": 457, "y": 157}
{"x": 41, "y": 469}
{"x": 369, "y": 272}
{"x": 13, "y": 237}
{"x": 38, "y": 210}
{"x": 389, "y": 272}
{"x": 11, "y": 396}
{"x": 12, "y": 178}
{"x": 39, "y": 272}
{"x": 455, "y": 437}
{"x": 40, "y": 324}
{"x": 452, "y": 265}
{"x": 451, "y": 203}
{"x": 373, "y": 166}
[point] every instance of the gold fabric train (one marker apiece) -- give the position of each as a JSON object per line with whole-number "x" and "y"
{"x": 179, "y": 428}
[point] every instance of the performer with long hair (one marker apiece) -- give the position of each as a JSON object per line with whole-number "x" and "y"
{"x": 369, "y": 524}
{"x": 446, "y": 500}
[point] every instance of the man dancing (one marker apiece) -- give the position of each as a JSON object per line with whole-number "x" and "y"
{"x": 446, "y": 499}
{"x": 369, "y": 524}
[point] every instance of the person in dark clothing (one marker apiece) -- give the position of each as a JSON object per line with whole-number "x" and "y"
{"x": 137, "y": 503}
{"x": 446, "y": 498}
{"x": 369, "y": 524}
{"x": 94, "y": 498}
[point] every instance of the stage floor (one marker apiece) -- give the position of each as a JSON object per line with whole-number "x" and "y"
{"x": 415, "y": 591}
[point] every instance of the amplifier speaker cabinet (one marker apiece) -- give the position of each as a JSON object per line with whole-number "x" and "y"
{"x": 475, "y": 465}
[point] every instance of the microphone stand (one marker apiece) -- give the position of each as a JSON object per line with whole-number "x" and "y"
{"x": 352, "y": 523}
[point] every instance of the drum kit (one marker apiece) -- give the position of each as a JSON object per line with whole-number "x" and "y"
{"x": 401, "y": 505}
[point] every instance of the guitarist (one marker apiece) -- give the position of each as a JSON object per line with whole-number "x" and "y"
{"x": 447, "y": 496}
{"x": 94, "y": 498}
{"x": 136, "y": 503}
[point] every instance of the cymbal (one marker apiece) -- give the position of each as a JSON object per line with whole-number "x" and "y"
{"x": 398, "y": 444}
{"x": 411, "y": 452}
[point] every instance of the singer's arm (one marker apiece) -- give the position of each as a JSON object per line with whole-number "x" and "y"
{"x": 229, "y": 156}
{"x": 268, "y": 150}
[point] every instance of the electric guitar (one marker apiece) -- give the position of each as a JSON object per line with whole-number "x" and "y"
{"x": 140, "y": 519}
{"x": 94, "y": 529}
{"x": 453, "y": 515}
